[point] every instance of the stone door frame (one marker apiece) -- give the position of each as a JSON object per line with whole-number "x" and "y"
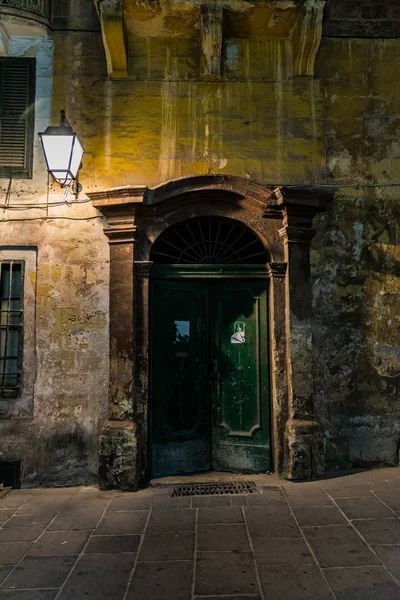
{"x": 282, "y": 218}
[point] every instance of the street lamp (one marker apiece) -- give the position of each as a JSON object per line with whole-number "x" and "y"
{"x": 63, "y": 153}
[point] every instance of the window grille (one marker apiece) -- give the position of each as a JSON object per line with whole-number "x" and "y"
{"x": 17, "y": 116}
{"x": 11, "y": 327}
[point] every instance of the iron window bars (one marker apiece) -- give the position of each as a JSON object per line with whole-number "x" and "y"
{"x": 11, "y": 327}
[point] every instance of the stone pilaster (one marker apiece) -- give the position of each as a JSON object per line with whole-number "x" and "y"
{"x": 142, "y": 366}
{"x": 118, "y": 452}
{"x": 278, "y": 353}
{"x": 304, "y": 445}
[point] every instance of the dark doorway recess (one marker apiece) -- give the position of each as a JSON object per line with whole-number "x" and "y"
{"x": 209, "y": 350}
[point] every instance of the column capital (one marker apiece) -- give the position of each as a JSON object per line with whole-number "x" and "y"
{"x": 143, "y": 268}
{"x": 297, "y": 235}
{"x": 118, "y": 205}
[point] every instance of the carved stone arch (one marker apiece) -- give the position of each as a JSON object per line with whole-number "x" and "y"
{"x": 283, "y": 218}
{"x": 210, "y": 239}
{"x": 152, "y": 220}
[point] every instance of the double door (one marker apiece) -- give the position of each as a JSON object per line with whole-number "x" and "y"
{"x": 209, "y": 377}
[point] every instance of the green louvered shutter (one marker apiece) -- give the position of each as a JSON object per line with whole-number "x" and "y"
{"x": 17, "y": 116}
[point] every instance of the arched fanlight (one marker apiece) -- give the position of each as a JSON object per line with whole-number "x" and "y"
{"x": 63, "y": 152}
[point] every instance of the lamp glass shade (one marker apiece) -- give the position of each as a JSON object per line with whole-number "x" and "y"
{"x": 63, "y": 152}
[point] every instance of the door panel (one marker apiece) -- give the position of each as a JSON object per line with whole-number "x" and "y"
{"x": 181, "y": 413}
{"x": 240, "y": 392}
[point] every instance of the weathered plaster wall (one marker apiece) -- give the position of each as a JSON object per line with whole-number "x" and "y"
{"x": 164, "y": 122}
{"x": 356, "y": 254}
{"x": 53, "y": 428}
{"x": 56, "y": 438}
{"x": 363, "y": 18}
{"x": 256, "y": 121}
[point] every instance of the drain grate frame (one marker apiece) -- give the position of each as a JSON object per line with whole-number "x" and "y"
{"x": 214, "y": 489}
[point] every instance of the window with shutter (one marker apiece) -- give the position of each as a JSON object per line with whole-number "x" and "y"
{"x": 17, "y": 116}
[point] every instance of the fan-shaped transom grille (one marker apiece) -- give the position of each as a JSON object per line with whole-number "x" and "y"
{"x": 208, "y": 240}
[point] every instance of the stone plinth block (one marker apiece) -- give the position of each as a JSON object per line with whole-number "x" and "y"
{"x": 118, "y": 454}
{"x": 304, "y": 450}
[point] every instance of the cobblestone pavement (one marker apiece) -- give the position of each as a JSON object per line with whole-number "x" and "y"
{"x": 337, "y": 538}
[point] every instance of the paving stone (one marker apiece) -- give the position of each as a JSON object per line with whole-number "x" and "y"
{"x": 53, "y": 492}
{"x": 162, "y": 581}
{"x": 362, "y": 583}
{"x": 28, "y": 594}
{"x": 282, "y": 552}
{"x": 225, "y": 573}
{"x": 6, "y": 514}
{"x": 11, "y": 554}
{"x": 30, "y": 520}
{"x": 198, "y": 501}
{"x": 356, "y": 491}
{"x": 274, "y": 524}
{"x": 42, "y": 498}
{"x": 4, "y": 571}
{"x": 379, "y": 531}
{"x": 382, "y": 482}
{"x": 40, "y": 572}
{"x": 228, "y": 514}
{"x": 364, "y": 508}
{"x": 93, "y": 496}
{"x": 23, "y": 534}
{"x": 239, "y": 500}
{"x": 162, "y": 501}
{"x": 42, "y": 506}
{"x": 77, "y": 517}
{"x": 339, "y": 547}
{"x": 246, "y": 597}
{"x": 298, "y": 496}
{"x": 131, "y": 502}
{"x": 15, "y": 500}
{"x": 114, "y": 544}
{"x": 60, "y": 543}
{"x": 163, "y": 520}
{"x": 94, "y": 577}
{"x": 220, "y": 538}
{"x": 391, "y": 498}
{"x": 319, "y": 515}
{"x": 167, "y": 546}
{"x": 267, "y": 496}
{"x": 162, "y": 491}
{"x": 132, "y": 521}
{"x": 295, "y": 582}
{"x": 390, "y": 556}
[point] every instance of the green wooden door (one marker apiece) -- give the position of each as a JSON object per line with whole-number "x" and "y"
{"x": 240, "y": 391}
{"x": 180, "y": 435}
{"x": 209, "y": 377}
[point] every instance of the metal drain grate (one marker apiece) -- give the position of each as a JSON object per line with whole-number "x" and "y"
{"x": 214, "y": 489}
